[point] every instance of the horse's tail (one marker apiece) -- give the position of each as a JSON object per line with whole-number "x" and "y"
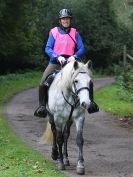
{"x": 47, "y": 136}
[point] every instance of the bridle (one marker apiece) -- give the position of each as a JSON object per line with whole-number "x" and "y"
{"x": 76, "y": 91}
{"x": 75, "y": 97}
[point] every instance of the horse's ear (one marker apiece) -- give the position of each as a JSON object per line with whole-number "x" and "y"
{"x": 75, "y": 65}
{"x": 89, "y": 64}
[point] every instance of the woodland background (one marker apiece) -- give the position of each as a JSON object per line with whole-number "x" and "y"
{"x": 105, "y": 26}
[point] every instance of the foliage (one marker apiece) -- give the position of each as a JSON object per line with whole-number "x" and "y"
{"x": 104, "y": 25}
{"x": 124, "y": 78}
{"x": 19, "y": 37}
{"x": 124, "y": 12}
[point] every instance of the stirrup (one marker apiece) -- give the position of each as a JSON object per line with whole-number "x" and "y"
{"x": 41, "y": 111}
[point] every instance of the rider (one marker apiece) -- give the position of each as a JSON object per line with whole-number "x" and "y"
{"x": 64, "y": 45}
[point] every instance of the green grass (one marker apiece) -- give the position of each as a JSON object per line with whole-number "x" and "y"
{"x": 108, "y": 100}
{"x": 16, "y": 158}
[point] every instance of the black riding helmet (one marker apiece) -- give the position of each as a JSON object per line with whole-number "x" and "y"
{"x": 65, "y": 13}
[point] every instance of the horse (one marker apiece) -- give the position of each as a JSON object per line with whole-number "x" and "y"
{"x": 68, "y": 98}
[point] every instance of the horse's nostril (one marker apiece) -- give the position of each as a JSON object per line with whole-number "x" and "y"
{"x": 83, "y": 104}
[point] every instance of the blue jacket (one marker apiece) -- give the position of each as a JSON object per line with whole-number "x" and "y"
{"x": 79, "y": 49}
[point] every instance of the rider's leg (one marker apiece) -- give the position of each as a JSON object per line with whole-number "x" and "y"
{"x": 43, "y": 91}
{"x": 91, "y": 91}
{"x": 41, "y": 110}
{"x": 93, "y": 106}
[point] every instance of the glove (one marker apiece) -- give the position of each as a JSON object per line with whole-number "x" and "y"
{"x": 71, "y": 58}
{"x": 61, "y": 60}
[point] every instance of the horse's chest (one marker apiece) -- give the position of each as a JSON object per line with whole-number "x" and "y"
{"x": 62, "y": 107}
{"x": 59, "y": 105}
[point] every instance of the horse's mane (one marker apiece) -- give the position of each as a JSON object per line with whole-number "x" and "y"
{"x": 68, "y": 73}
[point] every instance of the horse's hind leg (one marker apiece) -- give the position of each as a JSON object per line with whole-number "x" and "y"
{"x": 80, "y": 141}
{"x": 54, "y": 154}
{"x": 66, "y": 134}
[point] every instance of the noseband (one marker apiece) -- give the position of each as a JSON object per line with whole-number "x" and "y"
{"x": 78, "y": 90}
{"x": 82, "y": 88}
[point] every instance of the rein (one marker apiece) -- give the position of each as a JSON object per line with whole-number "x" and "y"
{"x": 72, "y": 106}
{"x": 74, "y": 98}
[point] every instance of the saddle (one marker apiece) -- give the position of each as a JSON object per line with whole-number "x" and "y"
{"x": 49, "y": 79}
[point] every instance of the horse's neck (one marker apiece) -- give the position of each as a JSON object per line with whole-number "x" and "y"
{"x": 66, "y": 89}
{"x": 63, "y": 85}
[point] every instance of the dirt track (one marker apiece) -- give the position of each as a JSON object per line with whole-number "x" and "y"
{"x": 108, "y": 148}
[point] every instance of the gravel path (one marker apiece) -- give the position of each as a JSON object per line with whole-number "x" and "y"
{"x": 108, "y": 148}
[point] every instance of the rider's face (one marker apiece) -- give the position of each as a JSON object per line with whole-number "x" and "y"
{"x": 65, "y": 22}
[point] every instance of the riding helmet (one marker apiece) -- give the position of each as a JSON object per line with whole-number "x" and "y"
{"x": 65, "y": 13}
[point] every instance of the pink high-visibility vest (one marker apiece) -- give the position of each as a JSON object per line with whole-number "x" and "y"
{"x": 64, "y": 44}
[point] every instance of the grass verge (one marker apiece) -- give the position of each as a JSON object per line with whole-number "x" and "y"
{"x": 16, "y": 158}
{"x": 108, "y": 100}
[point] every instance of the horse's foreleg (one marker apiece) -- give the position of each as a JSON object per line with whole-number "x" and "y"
{"x": 54, "y": 154}
{"x": 66, "y": 134}
{"x": 61, "y": 165}
{"x": 80, "y": 142}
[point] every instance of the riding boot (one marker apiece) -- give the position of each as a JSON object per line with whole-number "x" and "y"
{"x": 41, "y": 111}
{"x": 93, "y": 106}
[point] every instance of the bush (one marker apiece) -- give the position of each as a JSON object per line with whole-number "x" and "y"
{"x": 124, "y": 78}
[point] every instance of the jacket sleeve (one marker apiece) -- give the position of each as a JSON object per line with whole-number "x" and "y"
{"x": 80, "y": 50}
{"x": 48, "y": 49}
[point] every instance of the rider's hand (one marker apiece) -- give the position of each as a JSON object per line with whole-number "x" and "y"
{"x": 61, "y": 60}
{"x": 71, "y": 58}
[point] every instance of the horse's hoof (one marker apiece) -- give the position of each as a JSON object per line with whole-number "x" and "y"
{"x": 54, "y": 157}
{"x": 80, "y": 168}
{"x": 80, "y": 171}
{"x": 66, "y": 162}
{"x": 54, "y": 154}
{"x": 61, "y": 166}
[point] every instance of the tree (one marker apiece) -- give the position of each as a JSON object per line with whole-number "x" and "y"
{"x": 25, "y": 26}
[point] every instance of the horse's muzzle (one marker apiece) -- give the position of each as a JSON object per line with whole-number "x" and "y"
{"x": 84, "y": 105}
{"x": 93, "y": 108}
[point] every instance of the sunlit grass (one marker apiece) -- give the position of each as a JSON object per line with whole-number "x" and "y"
{"x": 109, "y": 100}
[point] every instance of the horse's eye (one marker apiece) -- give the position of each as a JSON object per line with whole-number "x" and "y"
{"x": 76, "y": 81}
